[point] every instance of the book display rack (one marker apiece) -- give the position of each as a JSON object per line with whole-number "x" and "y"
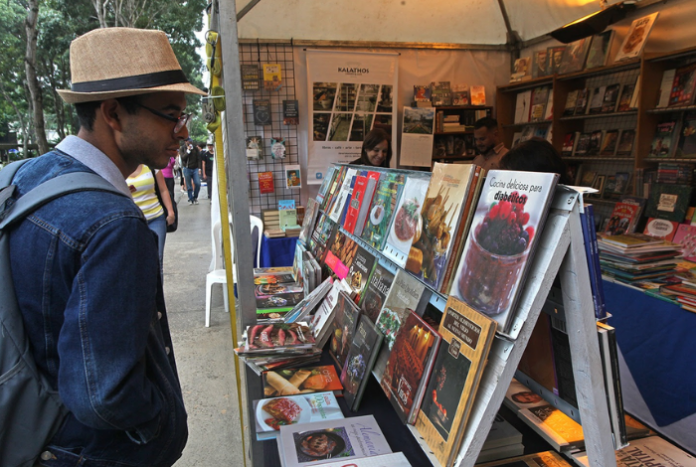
{"x": 560, "y": 252}
{"x": 617, "y": 133}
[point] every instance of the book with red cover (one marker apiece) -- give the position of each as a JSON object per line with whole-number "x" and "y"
{"x": 355, "y": 203}
{"x": 683, "y": 86}
{"x": 409, "y": 366}
{"x": 625, "y": 216}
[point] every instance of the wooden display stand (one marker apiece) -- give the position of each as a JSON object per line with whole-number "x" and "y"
{"x": 560, "y": 252}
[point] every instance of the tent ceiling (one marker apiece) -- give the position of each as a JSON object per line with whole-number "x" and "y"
{"x": 434, "y": 21}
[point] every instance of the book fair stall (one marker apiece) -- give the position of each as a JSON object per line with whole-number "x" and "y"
{"x": 430, "y": 311}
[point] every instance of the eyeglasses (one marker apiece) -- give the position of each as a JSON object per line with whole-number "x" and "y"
{"x": 181, "y": 121}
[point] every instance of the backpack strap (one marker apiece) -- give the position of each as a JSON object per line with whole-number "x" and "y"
{"x": 52, "y": 189}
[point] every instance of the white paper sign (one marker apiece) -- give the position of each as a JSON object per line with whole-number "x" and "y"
{"x": 350, "y": 94}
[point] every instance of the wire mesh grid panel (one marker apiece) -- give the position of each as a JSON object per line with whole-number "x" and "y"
{"x": 266, "y": 129}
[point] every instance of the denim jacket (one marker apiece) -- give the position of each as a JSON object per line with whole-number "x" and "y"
{"x": 86, "y": 274}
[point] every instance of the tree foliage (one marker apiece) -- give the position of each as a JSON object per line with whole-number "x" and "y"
{"x": 61, "y": 21}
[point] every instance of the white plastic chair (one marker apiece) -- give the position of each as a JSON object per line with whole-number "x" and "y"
{"x": 219, "y": 276}
{"x": 258, "y": 224}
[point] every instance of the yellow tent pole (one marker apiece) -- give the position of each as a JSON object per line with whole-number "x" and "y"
{"x": 227, "y": 247}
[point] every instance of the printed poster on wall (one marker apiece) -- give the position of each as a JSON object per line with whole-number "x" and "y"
{"x": 417, "y": 136}
{"x": 350, "y": 94}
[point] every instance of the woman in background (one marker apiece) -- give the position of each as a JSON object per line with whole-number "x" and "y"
{"x": 142, "y": 187}
{"x": 376, "y": 149}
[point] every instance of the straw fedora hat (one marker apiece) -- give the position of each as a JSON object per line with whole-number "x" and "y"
{"x": 117, "y": 62}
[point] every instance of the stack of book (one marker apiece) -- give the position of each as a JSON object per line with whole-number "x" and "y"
{"x": 276, "y": 293}
{"x": 684, "y": 294}
{"x": 675, "y": 173}
{"x": 632, "y": 258}
{"x": 277, "y": 345}
{"x": 503, "y": 441}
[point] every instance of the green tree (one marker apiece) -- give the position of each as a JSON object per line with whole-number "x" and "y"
{"x": 61, "y": 21}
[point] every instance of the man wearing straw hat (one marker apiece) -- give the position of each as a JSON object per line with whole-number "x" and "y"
{"x": 86, "y": 267}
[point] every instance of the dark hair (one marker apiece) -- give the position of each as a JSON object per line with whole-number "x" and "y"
{"x": 487, "y": 122}
{"x": 536, "y": 155}
{"x": 373, "y": 138}
{"x": 87, "y": 111}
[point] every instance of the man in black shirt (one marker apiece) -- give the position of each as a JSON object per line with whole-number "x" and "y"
{"x": 191, "y": 162}
{"x": 207, "y": 160}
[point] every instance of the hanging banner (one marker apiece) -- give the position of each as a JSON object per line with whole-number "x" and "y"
{"x": 350, "y": 94}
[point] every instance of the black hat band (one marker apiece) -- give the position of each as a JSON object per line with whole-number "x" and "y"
{"x": 148, "y": 80}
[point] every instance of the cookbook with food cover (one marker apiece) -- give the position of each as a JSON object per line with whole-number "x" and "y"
{"x": 404, "y": 296}
{"x": 407, "y": 223}
{"x": 276, "y": 337}
{"x": 347, "y": 439}
{"x": 376, "y": 292}
{"x": 271, "y": 414}
{"x": 409, "y": 365}
{"x": 359, "y": 271}
{"x": 359, "y": 362}
{"x": 440, "y": 216}
{"x": 467, "y": 336}
{"x": 511, "y": 211}
{"x": 381, "y": 211}
{"x": 343, "y": 329}
{"x": 292, "y": 381}
{"x": 356, "y": 201}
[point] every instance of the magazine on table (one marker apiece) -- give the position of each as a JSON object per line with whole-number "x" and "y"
{"x": 271, "y": 414}
{"x": 347, "y": 439}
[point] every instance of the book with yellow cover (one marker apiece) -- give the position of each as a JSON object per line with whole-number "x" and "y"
{"x": 272, "y": 76}
{"x": 467, "y": 336}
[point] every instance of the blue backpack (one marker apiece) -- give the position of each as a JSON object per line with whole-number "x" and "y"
{"x": 30, "y": 410}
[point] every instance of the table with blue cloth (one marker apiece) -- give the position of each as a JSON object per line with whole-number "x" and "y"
{"x": 657, "y": 359}
{"x": 277, "y": 251}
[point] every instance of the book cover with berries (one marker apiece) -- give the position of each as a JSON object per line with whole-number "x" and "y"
{"x": 501, "y": 242}
{"x": 409, "y": 366}
{"x": 376, "y": 292}
{"x": 381, "y": 211}
{"x": 407, "y": 223}
{"x": 343, "y": 329}
{"x": 467, "y": 337}
{"x": 359, "y": 271}
{"x": 441, "y": 214}
{"x": 359, "y": 362}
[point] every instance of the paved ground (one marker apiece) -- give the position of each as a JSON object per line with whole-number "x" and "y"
{"x": 204, "y": 355}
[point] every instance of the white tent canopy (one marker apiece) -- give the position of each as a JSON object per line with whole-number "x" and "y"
{"x": 476, "y": 22}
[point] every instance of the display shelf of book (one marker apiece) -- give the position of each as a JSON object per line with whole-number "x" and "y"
{"x": 604, "y": 115}
{"x": 445, "y": 133}
{"x": 525, "y": 85}
{"x": 559, "y": 252}
{"x": 652, "y": 71}
{"x": 664, "y": 159}
{"x": 526, "y": 124}
{"x": 605, "y": 70}
{"x": 666, "y": 110}
{"x": 597, "y": 159}
{"x": 673, "y": 55}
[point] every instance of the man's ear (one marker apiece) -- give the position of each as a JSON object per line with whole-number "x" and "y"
{"x": 111, "y": 110}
